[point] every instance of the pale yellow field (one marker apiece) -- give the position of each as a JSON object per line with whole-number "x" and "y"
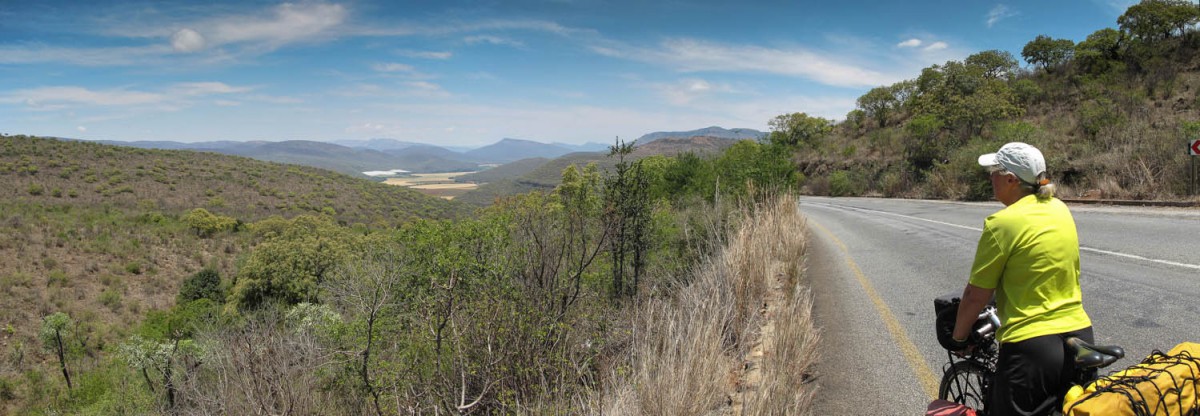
{"x": 467, "y": 186}
{"x": 425, "y": 178}
{"x": 441, "y": 185}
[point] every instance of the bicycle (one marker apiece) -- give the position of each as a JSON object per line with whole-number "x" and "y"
{"x": 967, "y": 380}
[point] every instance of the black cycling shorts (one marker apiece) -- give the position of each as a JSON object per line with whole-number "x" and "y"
{"x": 1033, "y": 375}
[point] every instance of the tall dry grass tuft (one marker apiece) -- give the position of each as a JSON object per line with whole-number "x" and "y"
{"x": 737, "y": 339}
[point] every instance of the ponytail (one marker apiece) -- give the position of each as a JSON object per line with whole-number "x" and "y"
{"x": 1044, "y": 189}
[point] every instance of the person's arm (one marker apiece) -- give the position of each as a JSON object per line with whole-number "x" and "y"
{"x": 974, "y": 299}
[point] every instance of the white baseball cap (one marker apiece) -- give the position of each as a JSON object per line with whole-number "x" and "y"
{"x": 1021, "y": 159}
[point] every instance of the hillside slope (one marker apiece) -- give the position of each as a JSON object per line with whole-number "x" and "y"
{"x": 99, "y": 232}
{"x": 54, "y": 172}
{"x": 1112, "y": 117}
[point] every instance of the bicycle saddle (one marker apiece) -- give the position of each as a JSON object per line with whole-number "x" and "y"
{"x": 1094, "y": 356}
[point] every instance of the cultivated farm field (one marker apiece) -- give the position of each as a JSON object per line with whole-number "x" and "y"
{"x": 441, "y": 185}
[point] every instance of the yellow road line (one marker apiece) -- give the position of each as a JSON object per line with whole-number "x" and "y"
{"x": 929, "y": 381}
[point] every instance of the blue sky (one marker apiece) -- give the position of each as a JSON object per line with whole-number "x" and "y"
{"x": 468, "y": 73}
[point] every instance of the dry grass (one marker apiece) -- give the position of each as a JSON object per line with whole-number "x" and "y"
{"x": 426, "y": 179}
{"x": 441, "y": 185}
{"x": 692, "y": 354}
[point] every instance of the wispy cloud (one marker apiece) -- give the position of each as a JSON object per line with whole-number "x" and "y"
{"x": 998, "y": 13}
{"x": 392, "y": 67}
{"x": 284, "y": 24}
{"x": 691, "y": 55}
{"x": 442, "y": 55}
{"x": 206, "y": 88}
{"x": 686, "y": 91}
{"x": 492, "y": 40}
{"x": 67, "y": 95}
{"x": 937, "y": 46}
{"x": 39, "y": 53}
{"x": 211, "y": 39}
{"x": 170, "y": 98}
{"x": 911, "y": 43}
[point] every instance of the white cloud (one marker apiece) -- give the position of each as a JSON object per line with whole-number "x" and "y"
{"x": 936, "y": 46}
{"x": 442, "y": 55}
{"x": 286, "y": 23}
{"x": 81, "y": 129}
{"x": 79, "y": 95}
{"x": 392, "y": 67}
{"x": 369, "y": 128}
{"x": 688, "y": 91}
{"x": 492, "y": 40}
{"x": 911, "y": 43}
{"x": 187, "y": 40}
{"x": 998, "y": 13}
{"x": 690, "y": 55}
{"x": 33, "y": 54}
{"x": 227, "y": 103}
{"x": 206, "y": 88}
{"x": 699, "y": 85}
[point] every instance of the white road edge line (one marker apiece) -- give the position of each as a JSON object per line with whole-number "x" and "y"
{"x": 1081, "y": 248}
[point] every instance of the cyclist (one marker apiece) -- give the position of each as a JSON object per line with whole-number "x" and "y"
{"x": 1028, "y": 258}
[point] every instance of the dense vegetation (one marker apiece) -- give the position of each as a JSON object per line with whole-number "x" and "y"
{"x": 540, "y": 174}
{"x": 1111, "y": 113}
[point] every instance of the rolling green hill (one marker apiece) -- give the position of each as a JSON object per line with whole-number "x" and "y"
{"x": 505, "y": 171}
{"x": 54, "y": 172}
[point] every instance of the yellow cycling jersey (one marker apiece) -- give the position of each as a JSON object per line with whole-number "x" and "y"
{"x": 1029, "y": 253}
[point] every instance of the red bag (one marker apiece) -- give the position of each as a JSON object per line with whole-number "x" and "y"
{"x": 948, "y": 408}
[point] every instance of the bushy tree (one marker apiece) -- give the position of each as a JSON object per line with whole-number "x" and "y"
{"x": 1099, "y": 51}
{"x": 993, "y": 64}
{"x": 290, "y": 264}
{"x": 1159, "y": 19}
{"x": 205, "y": 284}
{"x": 798, "y": 129}
{"x": 206, "y": 223}
{"x": 1047, "y": 52}
{"x": 878, "y": 103}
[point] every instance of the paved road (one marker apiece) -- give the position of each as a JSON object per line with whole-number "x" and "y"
{"x": 876, "y": 264}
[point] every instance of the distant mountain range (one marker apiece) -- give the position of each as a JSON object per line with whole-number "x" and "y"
{"x": 354, "y": 157}
{"x": 714, "y": 131}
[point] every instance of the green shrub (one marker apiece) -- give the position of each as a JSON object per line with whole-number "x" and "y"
{"x": 36, "y": 189}
{"x": 845, "y": 183}
{"x": 205, "y": 284}
{"x": 133, "y": 267}
{"x": 8, "y": 391}
{"x": 57, "y": 278}
{"x": 1098, "y": 114}
{"x": 206, "y": 223}
{"x": 111, "y": 298}
{"x": 894, "y": 184}
{"x": 1027, "y": 91}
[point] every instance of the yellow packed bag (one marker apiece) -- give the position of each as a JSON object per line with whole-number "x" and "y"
{"x": 1162, "y": 384}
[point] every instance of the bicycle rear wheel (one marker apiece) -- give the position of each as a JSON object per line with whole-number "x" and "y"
{"x": 965, "y": 383}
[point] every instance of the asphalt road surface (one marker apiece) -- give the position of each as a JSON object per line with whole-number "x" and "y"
{"x": 875, "y": 266}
